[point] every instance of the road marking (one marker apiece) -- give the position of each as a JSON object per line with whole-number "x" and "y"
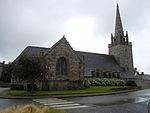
{"x": 65, "y": 105}
{"x": 73, "y": 107}
{"x": 42, "y": 102}
{"x": 49, "y": 100}
{"x": 58, "y": 103}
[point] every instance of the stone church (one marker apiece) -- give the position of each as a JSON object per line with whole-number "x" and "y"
{"x": 66, "y": 68}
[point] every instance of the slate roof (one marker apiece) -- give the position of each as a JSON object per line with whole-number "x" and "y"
{"x": 91, "y": 60}
{"x": 31, "y": 50}
{"x": 98, "y": 61}
{"x": 145, "y": 77}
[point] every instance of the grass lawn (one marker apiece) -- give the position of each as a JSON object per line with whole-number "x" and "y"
{"x": 94, "y": 89}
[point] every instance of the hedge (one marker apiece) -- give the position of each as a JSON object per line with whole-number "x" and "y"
{"x": 103, "y": 82}
{"x": 22, "y": 86}
{"x": 131, "y": 83}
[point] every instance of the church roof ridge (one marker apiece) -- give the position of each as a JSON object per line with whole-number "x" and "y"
{"x": 94, "y": 53}
{"x": 74, "y": 50}
{"x": 37, "y": 47}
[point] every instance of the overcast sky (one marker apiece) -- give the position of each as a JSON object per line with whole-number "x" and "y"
{"x": 87, "y": 25}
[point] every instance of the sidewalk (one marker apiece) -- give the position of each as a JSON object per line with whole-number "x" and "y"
{"x": 4, "y": 95}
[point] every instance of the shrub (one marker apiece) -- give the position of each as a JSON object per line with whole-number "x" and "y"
{"x": 104, "y": 82}
{"x": 22, "y": 86}
{"x": 131, "y": 83}
{"x": 86, "y": 83}
{"x": 17, "y": 86}
{"x": 6, "y": 73}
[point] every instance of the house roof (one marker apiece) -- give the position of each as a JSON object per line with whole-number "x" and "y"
{"x": 145, "y": 77}
{"x": 32, "y": 50}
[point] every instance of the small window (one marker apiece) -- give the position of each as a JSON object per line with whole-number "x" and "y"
{"x": 109, "y": 74}
{"x": 105, "y": 74}
{"x": 97, "y": 74}
{"x": 93, "y": 73}
{"x": 118, "y": 75}
{"x": 123, "y": 39}
{"x": 114, "y": 40}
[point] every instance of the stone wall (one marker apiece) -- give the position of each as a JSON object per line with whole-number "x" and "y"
{"x": 54, "y": 85}
{"x": 144, "y": 84}
{"x": 123, "y": 55}
{"x": 75, "y": 66}
{"x": 105, "y": 73}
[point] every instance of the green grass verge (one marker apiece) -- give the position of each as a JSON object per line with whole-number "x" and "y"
{"x": 94, "y": 89}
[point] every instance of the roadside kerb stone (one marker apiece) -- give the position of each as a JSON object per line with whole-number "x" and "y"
{"x": 63, "y": 95}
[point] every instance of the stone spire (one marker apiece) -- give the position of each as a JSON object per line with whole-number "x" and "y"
{"x": 118, "y": 26}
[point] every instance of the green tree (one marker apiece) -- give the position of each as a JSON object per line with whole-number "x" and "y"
{"x": 30, "y": 68}
{"x": 6, "y": 73}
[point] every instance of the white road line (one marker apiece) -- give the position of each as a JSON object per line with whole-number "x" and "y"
{"x": 65, "y": 105}
{"x": 58, "y": 103}
{"x": 73, "y": 107}
{"x": 60, "y": 100}
{"x": 50, "y": 101}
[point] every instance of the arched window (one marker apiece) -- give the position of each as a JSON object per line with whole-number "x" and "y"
{"x": 61, "y": 66}
{"x": 124, "y": 40}
{"x": 115, "y": 41}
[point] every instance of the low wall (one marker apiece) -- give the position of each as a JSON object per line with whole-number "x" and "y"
{"x": 55, "y": 85}
{"x": 143, "y": 83}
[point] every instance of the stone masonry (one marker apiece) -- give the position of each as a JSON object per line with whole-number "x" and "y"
{"x": 123, "y": 55}
{"x": 75, "y": 72}
{"x": 120, "y": 46}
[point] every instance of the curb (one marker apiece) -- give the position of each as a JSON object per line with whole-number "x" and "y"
{"x": 91, "y": 94}
{"x": 64, "y": 95}
{"x": 13, "y": 97}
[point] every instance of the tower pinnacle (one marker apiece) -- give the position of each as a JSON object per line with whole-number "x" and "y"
{"x": 118, "y": 25}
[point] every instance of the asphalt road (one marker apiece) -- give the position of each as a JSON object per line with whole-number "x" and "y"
{"x": 133, "y": 102}
{"x": 2, "y": 89}
{"x": 4, "y": 103}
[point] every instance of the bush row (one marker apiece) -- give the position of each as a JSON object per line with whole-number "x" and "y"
{"x": 107, "y": 82}
{"x": 23, "y": 86}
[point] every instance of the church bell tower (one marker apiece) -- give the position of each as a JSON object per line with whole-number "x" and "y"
{"x": 120, "y": 46}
